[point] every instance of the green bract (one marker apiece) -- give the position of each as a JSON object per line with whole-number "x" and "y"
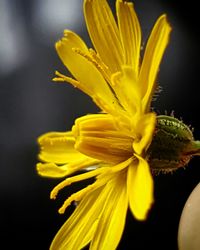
{"x": 173, "y": 145}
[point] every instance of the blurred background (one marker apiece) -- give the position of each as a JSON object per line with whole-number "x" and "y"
{"x": 31, "y": 104}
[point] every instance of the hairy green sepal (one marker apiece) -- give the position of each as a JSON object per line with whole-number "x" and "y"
{"x": 173, "y": 145}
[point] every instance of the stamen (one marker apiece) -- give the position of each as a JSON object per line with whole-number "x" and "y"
{"x": 104, "y": 68}
{"x": 123, "y": 165}
{"x": 74, "y": 179}
{"x": 88, "y": 57}
{"x": 78, "y": 195}
{"x": 93, "y": 58}
{"x": 63, "y": 78}
{"x": 116, "y": 168}
{"x": 81, "y": 165}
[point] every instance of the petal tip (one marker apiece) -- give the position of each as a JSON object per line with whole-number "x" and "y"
{"x": 164, "y": 18}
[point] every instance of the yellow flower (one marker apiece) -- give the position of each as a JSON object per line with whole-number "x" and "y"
{"x": 115, "y": 141}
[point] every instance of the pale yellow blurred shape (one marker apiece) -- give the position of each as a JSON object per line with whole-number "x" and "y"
{"x": 189, "y": 226}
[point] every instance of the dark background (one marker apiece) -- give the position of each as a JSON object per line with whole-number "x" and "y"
{"x": 30, "y": 105}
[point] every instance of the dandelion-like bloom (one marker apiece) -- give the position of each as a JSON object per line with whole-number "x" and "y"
{"x": 115, "y": 141}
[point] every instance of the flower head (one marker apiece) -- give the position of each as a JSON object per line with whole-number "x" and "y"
{"x": 115, "y": 141}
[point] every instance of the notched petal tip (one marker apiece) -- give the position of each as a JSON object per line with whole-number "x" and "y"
{"x": 67, "y": 32}
{"x": 163, "y": 20}
{"x": 52, "y": 170}
{"x": 127, "y": 2}
{"x": 58, "y": 44}
{"x": 45, "y": 169}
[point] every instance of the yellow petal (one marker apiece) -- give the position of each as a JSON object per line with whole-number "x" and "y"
{"x": 52, "y": 170}
{"x": 97, "y": 137}
{"x": 145, "y": 127}
{"x": 79, "y": 228}
{"x": 111, "y": 223}
{"x": 104, "y": 33}
{"x": 127, "y": 89}
{"x": 130, "y": 33}
{"x": 140, "y": 188}
{"x": 101, "y": 171}
{"x": 75, "y": 56}
{"x": 58, "y": 147}
{"x": 155, "y": 48}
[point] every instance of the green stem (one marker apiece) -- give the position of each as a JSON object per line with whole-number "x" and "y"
{"x": 194, "y": 148}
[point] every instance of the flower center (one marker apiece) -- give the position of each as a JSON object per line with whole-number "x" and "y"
{"x": 97, "y": 137}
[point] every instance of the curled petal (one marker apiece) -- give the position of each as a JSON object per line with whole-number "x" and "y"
{"x": 144, "y": 127}
{"x": 58, "y": 147}
{"x": 97, "y": 137}
{"x": 52, "y": 170}
{"x": 140, "y": 188}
